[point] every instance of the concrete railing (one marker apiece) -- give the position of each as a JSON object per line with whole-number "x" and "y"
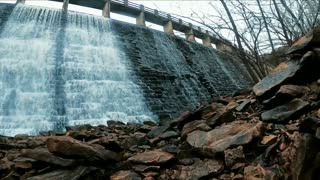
{"x": 143, "y": 14}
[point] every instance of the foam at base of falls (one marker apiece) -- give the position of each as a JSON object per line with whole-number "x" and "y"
{"x": 59, "y": 69}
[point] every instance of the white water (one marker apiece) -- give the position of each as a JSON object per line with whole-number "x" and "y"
{"x": 44, "y": 85}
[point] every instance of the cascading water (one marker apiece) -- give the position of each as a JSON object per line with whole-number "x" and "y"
{"x": 61, "y": 69}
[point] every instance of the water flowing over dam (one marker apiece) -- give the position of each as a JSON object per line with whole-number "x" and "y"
{"x": 62, "y": 69}
{"x": 53, "y": 76}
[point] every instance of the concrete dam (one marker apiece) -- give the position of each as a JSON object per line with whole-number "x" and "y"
{"x": 61, "y": 68}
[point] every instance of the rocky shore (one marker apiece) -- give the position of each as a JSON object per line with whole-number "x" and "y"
{"x": 271, "y": 132}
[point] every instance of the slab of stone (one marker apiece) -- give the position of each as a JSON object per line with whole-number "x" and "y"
{"x": 224, "y": 137}
{"x": 284, "y": 112}
{"x": 294, "y": 73}
{"x": 152, "y": 157}
{"x": 125, "y": 175}
{"x": 201, "y": 169}
{"x": 68, "y": 147}
{"x": 45, "y": 156}
{"x": 194, "y": 125}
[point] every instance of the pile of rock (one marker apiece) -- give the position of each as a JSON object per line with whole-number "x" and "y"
{"x": 270, "y": 133}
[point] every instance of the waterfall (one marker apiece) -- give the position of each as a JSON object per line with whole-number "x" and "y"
{"x": 61, "y": 69}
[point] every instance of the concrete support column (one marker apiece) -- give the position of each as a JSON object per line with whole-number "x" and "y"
{"x": 65, "y": 5}
{"x": 207, "y": 41}
{"x": 190, "y": 34}
{"x": 168, "y": 27}
{"x": 140, "y": 20}
{"x": 21, "y": 1}
{"x": 106, "y": 9}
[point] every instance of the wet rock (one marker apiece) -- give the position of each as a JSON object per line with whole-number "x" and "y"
{"x": 285, "y": 112}
{"x": 68, "y": 147}
{"x": 125, "y": 175}
{"x": 45, "y": 156}
{"x": 73, "y": 174}
{"x": 224, "y": 137}
{"x": 232, "y": 156}
{"x": 201, "y": 169}
{"x": 194, "y": 125}
{"x": 152, "y": 157}
{"x": 286, "y": 93}
{"x": 114, "y": 123}
{"x": 297, "y": 72}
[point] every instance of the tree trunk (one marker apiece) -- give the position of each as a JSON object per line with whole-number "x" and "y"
{"x": 266, "y": 25}
{"x": 282, "y": 23}
{"x": 242, "y": 55}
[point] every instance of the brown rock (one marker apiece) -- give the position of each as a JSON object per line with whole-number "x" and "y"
{"x": 223, "y": 137}
{"x": 258, "y": 173}
{"x": 152, "y": 157}
{"x": 73, "y": 174}
{"x": 220, "y": 114}
{"x": 5, "y": 167}
{"x": 125, "y": 175}
{"x": 231, "y": 156}
{"x": 22, "y": 166}
{"x": 268, "y": 140}
{"x": 285, "y": 112}
{"x": 144, "y": 168}
{"x": 45, "y": 156}
{"x": 199, "y": 170}
{"x": 195, "y": 125}
{"x": 305, "y": 43}
{"x": 297, "y": 72}
{"x": 69, "y": 147}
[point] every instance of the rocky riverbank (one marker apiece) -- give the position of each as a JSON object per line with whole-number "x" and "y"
{"x": 272, "y": 132}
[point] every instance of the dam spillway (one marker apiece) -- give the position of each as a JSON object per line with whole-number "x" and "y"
{"x": 60, "y": 69}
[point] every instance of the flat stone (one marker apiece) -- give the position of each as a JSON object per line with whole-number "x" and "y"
{"x": 125, "y": 175}
{"x": 73, "y": 174}
{"x": 45, "y": 156}
{"x": 268, "y": 140}
{"x": 220, "y": 114}
{"x": 156, "y": 131}
{"x": 194, "y": 125}
{"x": 286, "y": 93}
{"x": 152, "y": 157}
{"x": 232, "y": 156}
{"x": 305, "y": 42}
{"x": 68, "y": 147}
{"x": 201, "y": 169}
{"x": 144, "y": 168}
{"x": 297, "y": 72}
{"x": 225, "y": 136}
{"x": 284, "y": 112}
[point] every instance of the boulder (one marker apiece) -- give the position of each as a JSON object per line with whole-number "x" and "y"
{"x": 224, "y": 137}
{"x": 45, "y": 156}
{"x": 73, "y": 174}
{"x": 152, "y": 157}
{"x": 125, "y": 175}
{"x": 194, "y": 125}
{"x": 199, "y": 170}
{"x": 68, "y": 147}
{"x": 297, "y": 72}
{"x": 285, "y": 112}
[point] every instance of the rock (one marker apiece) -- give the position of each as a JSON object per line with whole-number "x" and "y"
{"x": 268, "y": 140}
{"x": 244, "y": 104}
{"x": 232, "y": 156}
{"x": 258, "y": 173}
{"x": 164, "y": 136}
{"x": 223, "y": 137}
{"x": 73, "y": 174}
{"x": 68, "y": 147}
{"x": 194, "y": 125}
{"x": 137, "y": 138}
{"x": 22, "y": 166}
{"x": 285, "y": 112}
{"x": 156, "y": 131}
{"x": 125, "y": 175}
{"x": 45, "y": 156}
{"x": 220, "y": 114}
{"x": 305, "y": 43}
{"x": 310, "y": 125}
{"x": 199, "y": 170}
{"x": 144, "y": 168}
{"x": 114, "y": 123}
{"x": 109, "y": 142}
{"x": 297, "y": 72}
{"x": 286, "y": 93}
{"x": 152, "y": 157}
{"x": 5, "y": 167}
